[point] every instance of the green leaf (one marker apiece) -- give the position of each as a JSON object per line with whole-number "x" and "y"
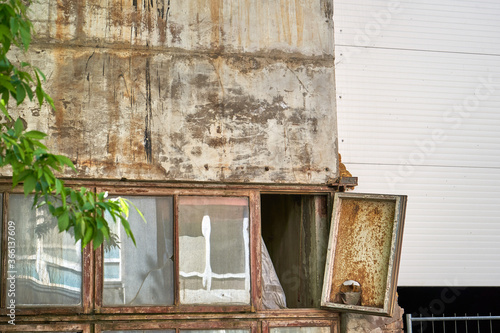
{"x": 29, "y": 184}
{"x": 59, "y": 186}
{"x": 49, "y": 100}
{"x": 63, "y": 221}
{"x": 20, "y": 94}
{"x": 38, "y": 72}
{"x": 39, "y": 94}
{"x": 98, "y": 239}
{"x": 136, "y": 209}
{"x": 19, "y": 126}
{"x": 25, "y": 36}
{"x": 124, "y": 206}
{"x": 37, "y": 135}
{"x": 65, "y": 161}
{"x": 88, "y": 235}
{"x": 4, "y": 109}
{"x": 87, "y": 206}
{"x": 74, "y": 196}
{"x": 14, "y": 25}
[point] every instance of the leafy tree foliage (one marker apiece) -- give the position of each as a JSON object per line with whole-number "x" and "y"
{"x": 80, "y": 211}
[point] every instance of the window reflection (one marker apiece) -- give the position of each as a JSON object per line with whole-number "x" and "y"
{"x": 215, "y": 331}
{"x": 214, "y": 255}
{"x": 48, "y": 264}
{"x": 141, "y": 275}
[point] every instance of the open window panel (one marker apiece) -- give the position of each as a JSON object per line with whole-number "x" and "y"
{"x": 42, "y": 269}
{"x": 193, "y": 254}
{"x": 298, "y": 326}
{"x": 294, "y": 231}
{"x": 178, "y": 327}
{"x": 363, "y": 253}
{"x": 53, "y": 327}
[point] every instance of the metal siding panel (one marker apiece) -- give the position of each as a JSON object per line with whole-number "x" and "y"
{"x": 451, "y": 26}
{"x": 452, "y": 234}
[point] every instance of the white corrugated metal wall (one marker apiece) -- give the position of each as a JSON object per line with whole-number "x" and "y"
{"x": 418, "y": 103}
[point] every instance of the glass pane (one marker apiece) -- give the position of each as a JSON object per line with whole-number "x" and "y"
{"x": 142, "y": 275}
{"x": 215, "y": 331}
{"x": 48, "y": 264}
{"x": 324, "y": 329}
{"x": 214, "y": 259}
{"x": 142, "y": 331}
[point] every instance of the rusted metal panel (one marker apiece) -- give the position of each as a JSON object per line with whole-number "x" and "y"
{"x": 290, "y": 26}
{"x": 365, "y": 246}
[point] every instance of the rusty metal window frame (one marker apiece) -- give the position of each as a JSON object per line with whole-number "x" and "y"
{"x": 178, "y": 326}
{"x": 268, "y": 324}
{"x": 254, "y": 224}
{"x": 53, "y": 327}
{"x": 93, "y": 260}
{"x": 30, "y": 310}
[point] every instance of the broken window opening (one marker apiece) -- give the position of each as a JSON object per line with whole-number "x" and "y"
{"x": 295, "y": 231}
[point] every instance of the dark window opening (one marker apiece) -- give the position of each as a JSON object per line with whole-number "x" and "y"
{"x": 295, "y": 230}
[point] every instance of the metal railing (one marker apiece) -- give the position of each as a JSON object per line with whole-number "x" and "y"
{"x": 458, "y": 324}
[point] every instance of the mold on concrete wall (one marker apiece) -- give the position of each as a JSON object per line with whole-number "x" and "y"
{"x": 231, "y": 91}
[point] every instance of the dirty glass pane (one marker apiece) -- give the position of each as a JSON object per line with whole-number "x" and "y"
{"x": 325, "y": 329}
{"x": 142, "y": 275}
{"x": 142, "y": 331}
{"x": 47, "y": 265}
{"x": 214, "y": 259}
{"x": 215, "y": 331}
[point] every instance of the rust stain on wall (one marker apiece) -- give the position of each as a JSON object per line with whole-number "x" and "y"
{"x": 64, "y": 11}
{"x": 216, "y": 12}
{"x": 126, "y": 98}
{"x": 299, "y": 13}
{"x": 148, "y": 139}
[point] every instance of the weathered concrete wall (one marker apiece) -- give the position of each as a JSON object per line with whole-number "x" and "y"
{"x": 358, "y": 323}
{"x": 199, "y": 90}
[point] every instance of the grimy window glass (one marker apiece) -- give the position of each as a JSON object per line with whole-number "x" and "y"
{"x": 143, "y": 331}
{"x": 48, "y": 263}
{"x": 324, "y": 329}
{"x": 215, "y": 331}
{"x": 214, "y": 251}
{"x": 142, "y": 275}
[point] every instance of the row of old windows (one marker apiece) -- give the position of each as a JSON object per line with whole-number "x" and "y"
{"x": 198, "y": 249}
{"x": 213, "y": 251}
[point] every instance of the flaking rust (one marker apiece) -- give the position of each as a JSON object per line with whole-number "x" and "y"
{"x": 364, "y": 252}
